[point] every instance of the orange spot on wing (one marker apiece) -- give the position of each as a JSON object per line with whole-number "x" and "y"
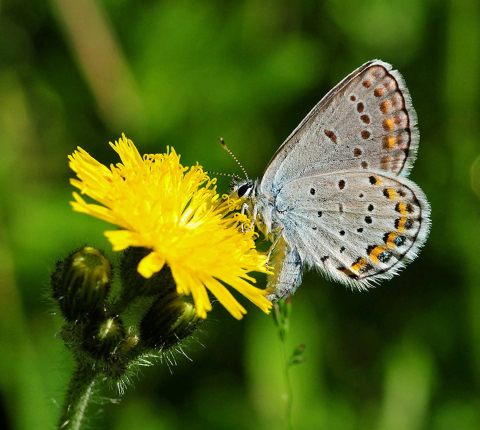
{"x": 391, "y": 239}
{"x": 388, "y": 124}
{"x": 357, "y": 266}
{"x": 404, "y": 208}
{"x": 385, "y": 107}
{"x": 378, "y": 92}
{"x": 375, "y": 252}
{"x": 390, "y": 193}
{"x": 403, "y": 223}
{"x": 389, "y": 142}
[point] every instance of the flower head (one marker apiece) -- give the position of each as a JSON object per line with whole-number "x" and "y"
{"x": 175, "y": 212}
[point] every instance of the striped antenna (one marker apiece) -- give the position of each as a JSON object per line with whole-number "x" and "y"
{"x": 221, "y": 174}
{"x": 233, "y": 156}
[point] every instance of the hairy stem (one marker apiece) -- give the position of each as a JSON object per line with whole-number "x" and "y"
{"x": 78, "y": 395}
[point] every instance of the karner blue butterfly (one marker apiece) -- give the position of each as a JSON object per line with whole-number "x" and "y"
{"x": 335, "y": 195}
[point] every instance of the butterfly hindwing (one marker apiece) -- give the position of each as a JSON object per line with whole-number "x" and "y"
{"x": 355, "y": 226}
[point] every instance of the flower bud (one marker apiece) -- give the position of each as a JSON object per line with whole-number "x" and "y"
{"x": 102, "y": 339}
{"x": 81, "y": 283}
{"x": 169, "y": 320}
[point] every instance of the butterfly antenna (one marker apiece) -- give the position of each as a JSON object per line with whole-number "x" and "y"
{"x": 234, "y": 176}
{"x": 221, "y": 174}
{"x": 233, "y": 156}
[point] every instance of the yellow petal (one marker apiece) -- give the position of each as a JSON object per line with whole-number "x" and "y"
{"x": 150, "y": 265}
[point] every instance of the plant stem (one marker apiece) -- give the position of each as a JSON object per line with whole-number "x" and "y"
{"x": 77, "y": 398}
{"x": 289, "y": 394}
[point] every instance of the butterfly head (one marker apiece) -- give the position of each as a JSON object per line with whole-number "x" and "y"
{"x": 242, "y": 188}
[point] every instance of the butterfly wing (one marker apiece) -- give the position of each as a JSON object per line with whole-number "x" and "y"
{"x": 366, "y": 122}
{"x": 357, "y": 227}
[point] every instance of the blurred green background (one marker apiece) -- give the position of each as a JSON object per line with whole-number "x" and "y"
{"x": 406, "y": 355}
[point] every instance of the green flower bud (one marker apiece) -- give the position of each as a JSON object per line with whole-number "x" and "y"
{"x": 169, "y": 320}
{"x": 102, "y": 339}
{"x": 81, "y": 283}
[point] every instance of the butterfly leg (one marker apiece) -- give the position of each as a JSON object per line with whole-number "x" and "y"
{"x": 245, "y": 208}
{"x": 272, "y": 248}
{"x": 255, "y": 213}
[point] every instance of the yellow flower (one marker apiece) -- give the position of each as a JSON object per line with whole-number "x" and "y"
{"x": 176, "y": 213}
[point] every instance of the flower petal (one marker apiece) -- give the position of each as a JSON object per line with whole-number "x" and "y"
{"x": 150, "y": 265}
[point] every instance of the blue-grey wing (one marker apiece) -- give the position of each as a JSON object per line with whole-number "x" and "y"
{"x": 366, "y": 122}
{"x": 357, "y": 227}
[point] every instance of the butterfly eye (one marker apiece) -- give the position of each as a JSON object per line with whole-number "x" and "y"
{"x": 243, "y": 189}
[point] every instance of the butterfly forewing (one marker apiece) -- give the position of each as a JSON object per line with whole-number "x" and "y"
{"x": 355, "y": 226}
{"x": 366, "y": 122}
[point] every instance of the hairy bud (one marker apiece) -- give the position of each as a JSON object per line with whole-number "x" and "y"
{"x": 169, "y": 320}
{"x": 102, "y": 339}
{"x": 81, "y": 283}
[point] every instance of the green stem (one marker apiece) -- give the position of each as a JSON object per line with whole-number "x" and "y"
{"x": 77, "y": 398}
{"x": 289, "y": 394}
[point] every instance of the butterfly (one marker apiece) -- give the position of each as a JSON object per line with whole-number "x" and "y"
{"x": 335, "y": 196}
